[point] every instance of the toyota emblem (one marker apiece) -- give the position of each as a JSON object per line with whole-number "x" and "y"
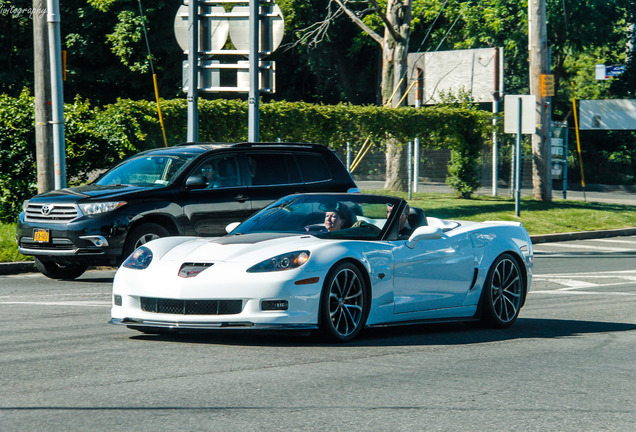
{"x": 46, "y": 209}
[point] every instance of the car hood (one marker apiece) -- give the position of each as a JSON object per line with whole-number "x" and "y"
{"x": 90, "y": 193}
{"x": 240, "y": 248}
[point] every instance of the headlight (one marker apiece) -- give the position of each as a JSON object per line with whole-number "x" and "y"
{"x": 25, "y": 204}
{"x": 139, "y": 259}
{"x": 100, "y": 207}
{"x": 286, "y": 261}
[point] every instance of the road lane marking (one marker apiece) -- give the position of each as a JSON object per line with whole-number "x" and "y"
{"x": 584, "y": 246}
{"x": 57, "y": 303}
{"x": 578, "y": 283}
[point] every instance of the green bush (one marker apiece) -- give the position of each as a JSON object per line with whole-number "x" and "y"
{"x": 99, "y": 137}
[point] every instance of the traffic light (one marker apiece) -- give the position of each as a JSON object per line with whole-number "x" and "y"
{"x": 547, "y": 85}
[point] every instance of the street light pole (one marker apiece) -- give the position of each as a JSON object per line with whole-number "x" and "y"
{"x": 57, "y": 95}
{"x": 253, "y": 97}
{"x": 42, "y": 99}
{"x": 193, "y": 71}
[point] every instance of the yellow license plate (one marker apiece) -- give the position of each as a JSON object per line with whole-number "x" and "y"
{"x": 41, "y": 236}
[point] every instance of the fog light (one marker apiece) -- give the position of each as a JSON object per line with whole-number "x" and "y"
{"x": 274, "y": 305}
{"x": 117, "y": 300}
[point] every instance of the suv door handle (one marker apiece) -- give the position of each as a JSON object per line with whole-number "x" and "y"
{"x": 241, "y": 198}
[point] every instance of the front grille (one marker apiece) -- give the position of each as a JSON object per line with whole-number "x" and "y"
{"x": 191, "y": 307}
{"x": 56, "y": 245}
{"x": 56, "y": 213}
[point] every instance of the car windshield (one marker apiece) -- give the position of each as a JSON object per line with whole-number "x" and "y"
{"x": 146, "y": 170}
{"x": 351, "y": 216}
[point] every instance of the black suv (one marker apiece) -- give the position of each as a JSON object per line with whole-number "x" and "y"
{"x": 190, "y": 189}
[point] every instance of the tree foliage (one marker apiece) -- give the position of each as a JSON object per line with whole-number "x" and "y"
{"x": 99, "y": 137}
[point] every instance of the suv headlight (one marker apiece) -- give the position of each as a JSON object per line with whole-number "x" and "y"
{"x": 285, "y": 261}
{"x": 91, "y": 209}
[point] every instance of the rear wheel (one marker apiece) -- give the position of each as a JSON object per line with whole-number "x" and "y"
{"x": 503, "y": 293}
{"x": 344, "y": 305}
{"x": 142, "y": 235}
{"x": 58, "y": 270}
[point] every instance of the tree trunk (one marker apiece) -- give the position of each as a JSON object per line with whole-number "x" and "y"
{"x": 394, "y": 82}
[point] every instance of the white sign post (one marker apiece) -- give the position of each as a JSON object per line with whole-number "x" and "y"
{"x": 519, "y": 118}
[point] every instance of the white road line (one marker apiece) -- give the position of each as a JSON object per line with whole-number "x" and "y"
{"x": 582, "y": 293}
{"x": 632, "y": 242}
{"x": 576, "y": 283}
{"x": 621, "y": 273}
{"x": 67, "y": 303}
{"x": 584, "y": 246}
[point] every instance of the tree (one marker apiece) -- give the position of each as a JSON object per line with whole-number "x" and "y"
{"x": 396, "y": 20}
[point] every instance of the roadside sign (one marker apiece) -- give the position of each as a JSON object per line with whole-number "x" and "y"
{"x": 528, "y": 114}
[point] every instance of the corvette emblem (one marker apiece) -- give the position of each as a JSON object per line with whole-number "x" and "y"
{"x": 46, "y": 209}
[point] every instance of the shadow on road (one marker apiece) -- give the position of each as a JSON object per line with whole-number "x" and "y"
{"x": 424, "y": 334}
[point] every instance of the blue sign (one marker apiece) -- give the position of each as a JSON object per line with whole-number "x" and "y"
{"x": 614, "y": 71}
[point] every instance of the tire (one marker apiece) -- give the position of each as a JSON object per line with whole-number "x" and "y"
{"x": 61, "y": 271}
{"x": 344, "y": 304}
{"x": 503, "y": 293}
{"x": 142, "y": 235}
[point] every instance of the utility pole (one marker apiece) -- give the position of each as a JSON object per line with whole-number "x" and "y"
{"x": 42, "y": 92}
{"x": 539, "y": 55}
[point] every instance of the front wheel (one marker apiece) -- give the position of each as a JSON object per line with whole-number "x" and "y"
{"x": 344, "y": 305}
{"x": 503, "y": 293}
{"x": 58, "y": 270}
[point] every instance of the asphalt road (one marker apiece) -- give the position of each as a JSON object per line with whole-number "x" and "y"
{"x": 567, "y": 364}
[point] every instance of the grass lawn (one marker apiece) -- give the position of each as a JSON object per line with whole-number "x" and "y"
{"x": 538, "y": 217}
{"x": 8, "y": 246}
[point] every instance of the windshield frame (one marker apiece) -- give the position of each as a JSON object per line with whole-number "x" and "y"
{"x": 317, "y": 199}
{"x": 187, "y": 157}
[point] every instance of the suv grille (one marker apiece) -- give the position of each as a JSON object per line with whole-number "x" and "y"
{"x": 191, "y": 307}
{"x": 57, "y": 213}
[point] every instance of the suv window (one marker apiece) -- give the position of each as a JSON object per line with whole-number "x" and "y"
{"x": 313, "y": 167}
{"x": 220, "y": 171}
{"x": 267, "y": 169}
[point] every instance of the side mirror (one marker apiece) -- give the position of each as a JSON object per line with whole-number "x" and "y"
{"x": 424, "y": 233}
{"x": 231, "y": 227}
{"x": 196, "y": 182}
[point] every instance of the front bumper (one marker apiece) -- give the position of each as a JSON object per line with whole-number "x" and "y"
{"x": 100, "y": 238}
{"x": 227, "y": 325}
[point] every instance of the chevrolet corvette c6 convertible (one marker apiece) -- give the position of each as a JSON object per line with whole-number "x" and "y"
{"x": 334, "y": 263}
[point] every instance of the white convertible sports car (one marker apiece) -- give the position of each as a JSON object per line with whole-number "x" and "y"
{"x": 331, "y": 262}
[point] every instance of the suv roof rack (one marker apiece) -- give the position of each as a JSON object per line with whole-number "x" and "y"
{"x": 254, "y": 145}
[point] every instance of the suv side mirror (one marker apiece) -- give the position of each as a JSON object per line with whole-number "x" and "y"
{"x": 424, "y": 233}
{"x": 196, "y": 182}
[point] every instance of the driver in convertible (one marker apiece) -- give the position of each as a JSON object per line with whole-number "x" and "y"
{"x": 337, "y": 218}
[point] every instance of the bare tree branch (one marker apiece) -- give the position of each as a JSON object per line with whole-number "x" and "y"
{"x": 318, "y": 31}
{"x": 376, "y": 37}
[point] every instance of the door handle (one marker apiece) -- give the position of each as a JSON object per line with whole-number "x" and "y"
{"x": 241, "y": 198}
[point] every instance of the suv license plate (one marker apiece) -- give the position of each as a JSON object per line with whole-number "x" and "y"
{"x": 41, "y": 235}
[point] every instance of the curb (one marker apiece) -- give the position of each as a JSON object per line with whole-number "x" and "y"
{"x": 582, "y": 235}
{"x": 17, "y": 267}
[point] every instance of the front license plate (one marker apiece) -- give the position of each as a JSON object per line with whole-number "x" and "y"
{"x": 41, "y": 235}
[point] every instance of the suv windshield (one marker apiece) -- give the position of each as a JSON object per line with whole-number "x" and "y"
{"x": 147, "y": 170}
{"x": 326, "y": 216}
